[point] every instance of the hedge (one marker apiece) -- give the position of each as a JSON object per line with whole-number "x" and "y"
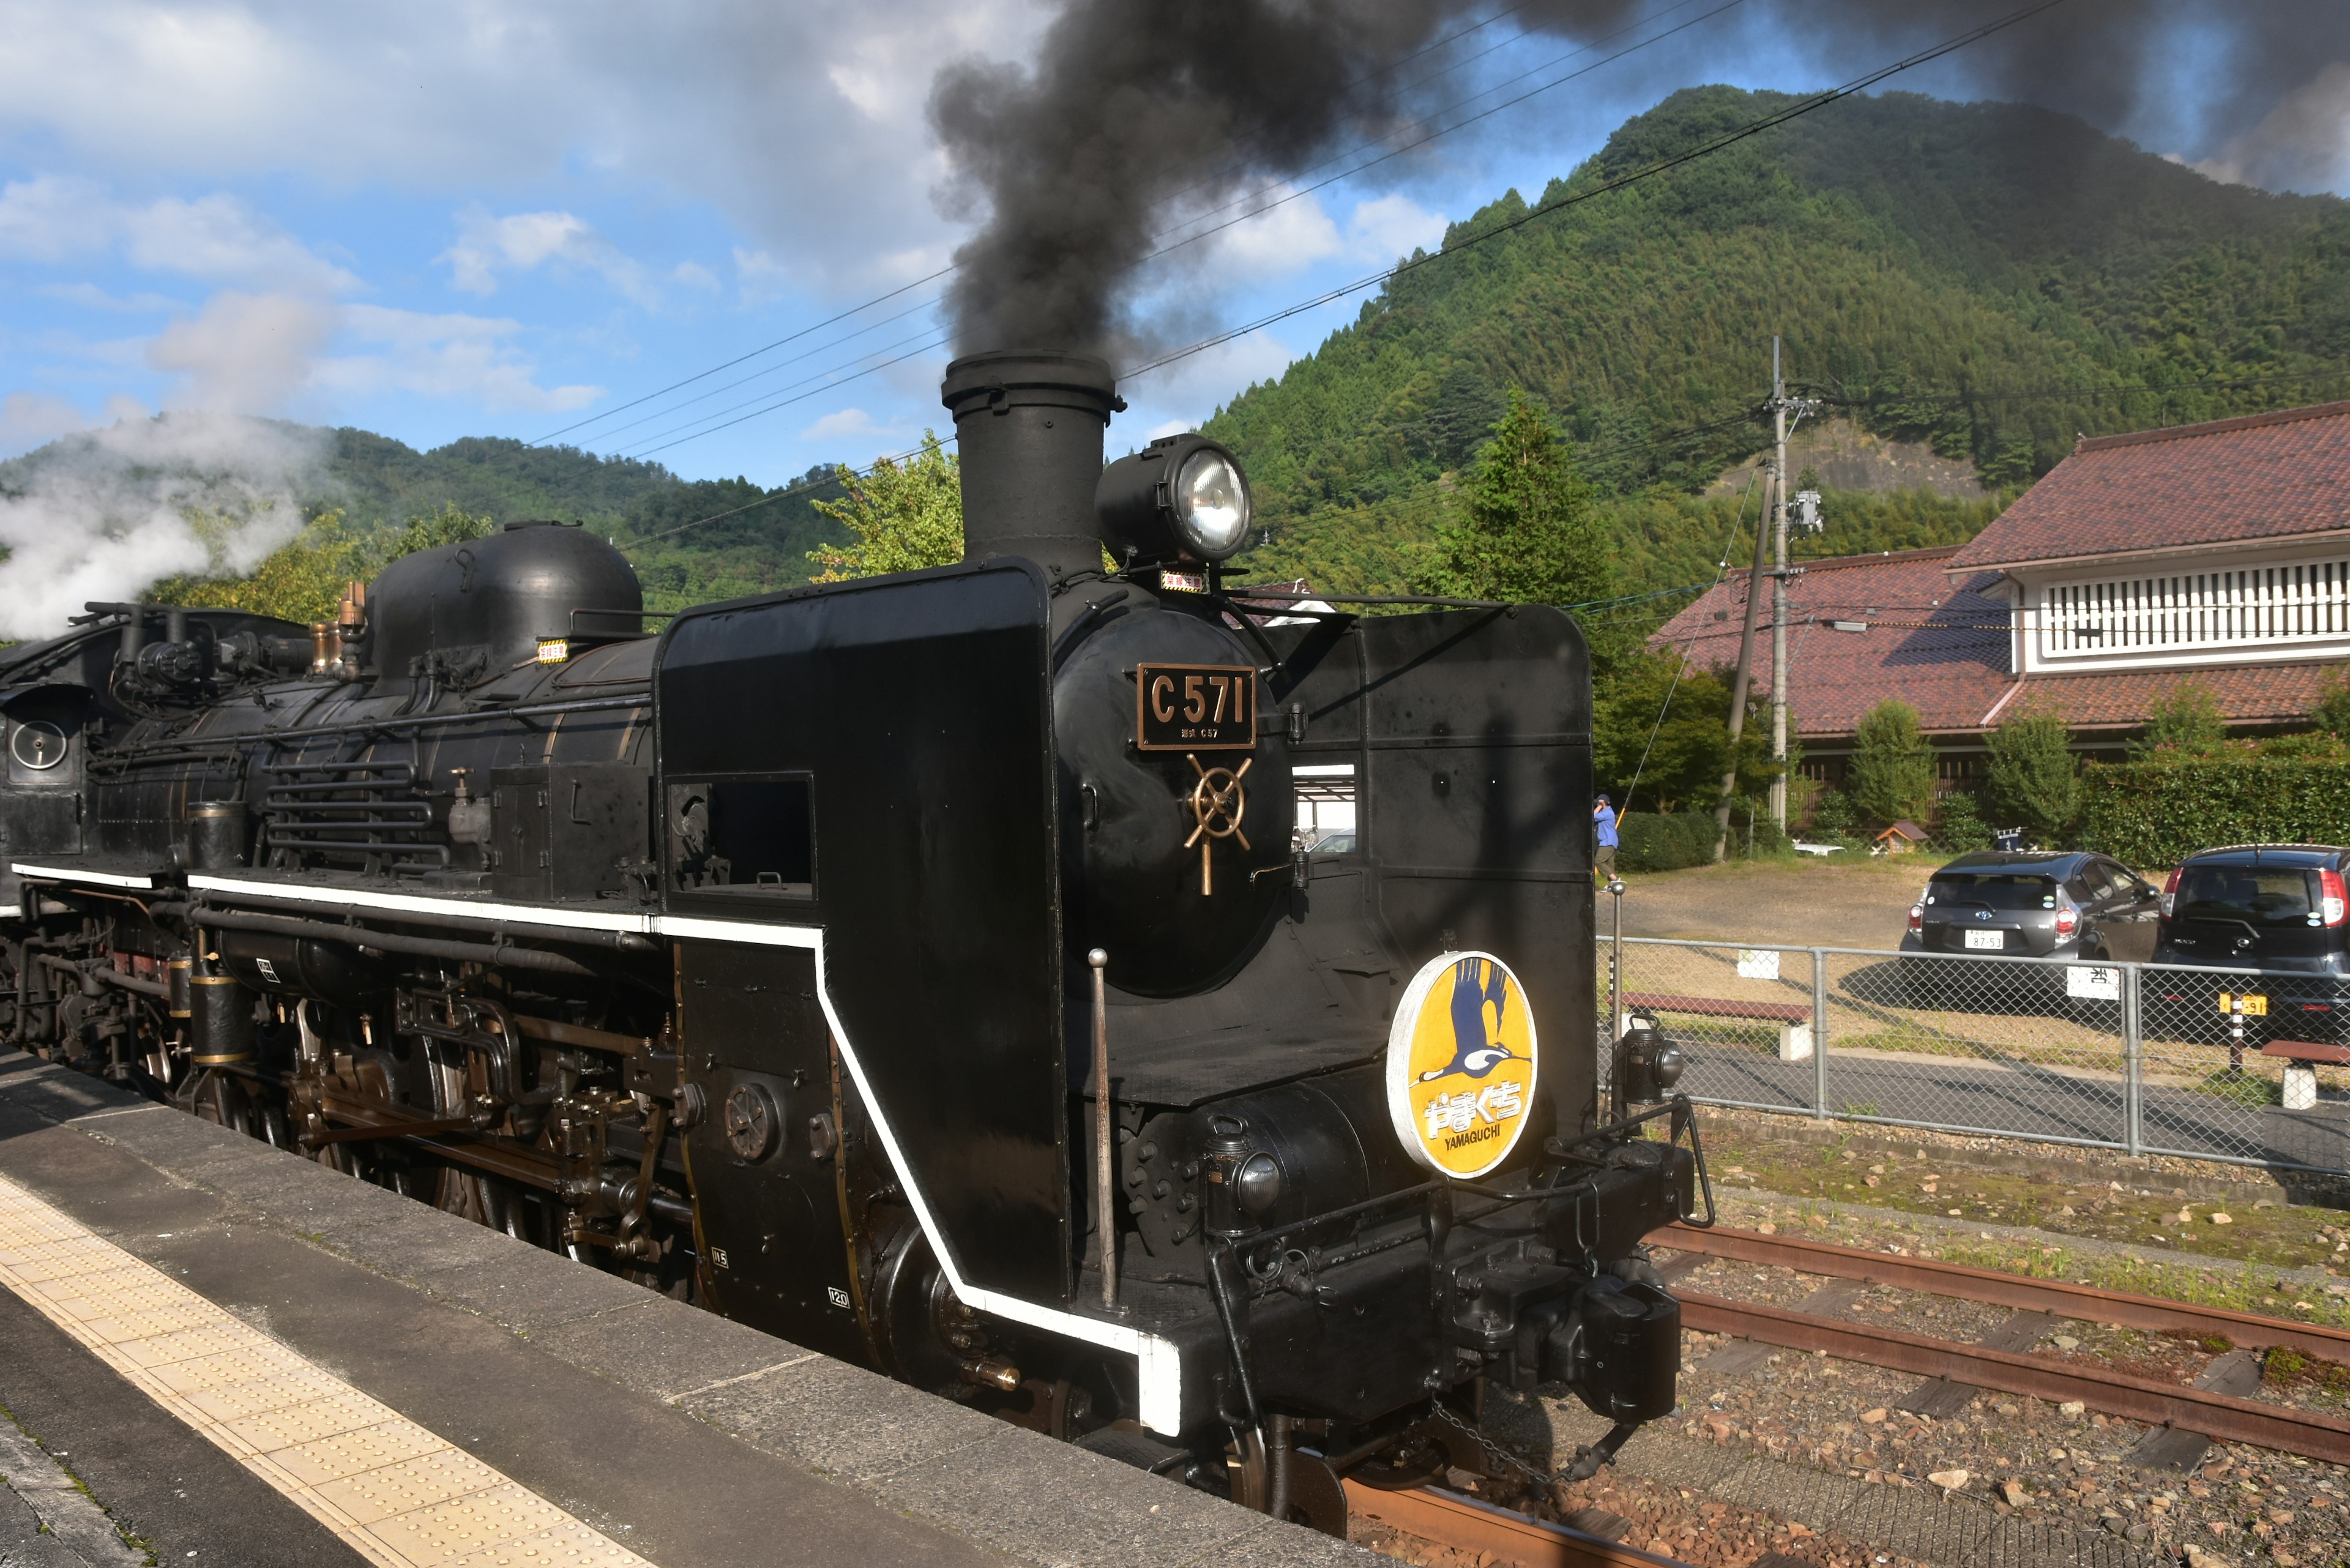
{"x": 1653, "y": 843}
{"x": 2157, "y": 814}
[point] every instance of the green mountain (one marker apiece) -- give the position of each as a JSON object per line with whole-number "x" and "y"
{"x": 1986, "y": 280}
{"x": 636, "y": 505}
{"x": 379, "y": 483}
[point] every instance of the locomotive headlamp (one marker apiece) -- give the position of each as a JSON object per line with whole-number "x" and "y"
{"x": 1211, "y": 504}
{"x": 1181, "y": 498}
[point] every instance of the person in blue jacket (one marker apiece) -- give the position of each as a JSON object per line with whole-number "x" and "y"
{"x": 1602, "y": 857}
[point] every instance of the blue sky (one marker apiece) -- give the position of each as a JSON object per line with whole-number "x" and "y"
{"x": 441, "y": 219}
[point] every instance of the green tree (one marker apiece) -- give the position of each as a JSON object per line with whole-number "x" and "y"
{"x": 1523, "y": 530}
{"x": 903, "y": 517}
{"x": 2332, "y": 714}
{"x": 1892, "y": 771}
{"x": 2185, "y": 723}
{"x": 1961, "y": 825}
{"x": 2033, "y": 780}
{"x": 303, "y": 579}
{"x": 1673, "y": 734}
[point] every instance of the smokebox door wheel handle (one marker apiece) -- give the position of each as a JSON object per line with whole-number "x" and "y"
{"x": 1218, "y": 801}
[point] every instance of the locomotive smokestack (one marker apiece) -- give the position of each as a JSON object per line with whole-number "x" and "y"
{"x": 1030, "y": 425}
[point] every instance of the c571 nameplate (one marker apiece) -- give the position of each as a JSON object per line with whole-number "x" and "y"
{"x": 1194, "y": 708}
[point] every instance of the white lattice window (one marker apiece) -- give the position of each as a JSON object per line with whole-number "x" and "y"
{"x": 2191, "y": 612}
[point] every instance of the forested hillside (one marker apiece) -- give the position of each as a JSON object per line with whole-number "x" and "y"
{"x": 636, "y": 505}
{"x": 1989, "y": 278}
{"x": 379, "y": 484}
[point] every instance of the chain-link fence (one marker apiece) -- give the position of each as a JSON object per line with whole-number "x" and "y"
{"x": 2246, "y": 1066}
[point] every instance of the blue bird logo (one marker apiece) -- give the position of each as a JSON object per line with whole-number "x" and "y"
{"x": 1477, "y": 1047}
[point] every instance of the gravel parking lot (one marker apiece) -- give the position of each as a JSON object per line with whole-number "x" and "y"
{"x": 1847, "y": 900}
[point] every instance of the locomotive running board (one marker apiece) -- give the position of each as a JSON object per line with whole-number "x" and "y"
{"x": 1159, "y": 1366}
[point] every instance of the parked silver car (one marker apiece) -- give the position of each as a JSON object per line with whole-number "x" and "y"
{"x": 2037, "y": 904}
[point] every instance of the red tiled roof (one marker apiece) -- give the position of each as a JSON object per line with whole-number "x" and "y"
{"x": 2259, "y": 477}
{"x": 1943, "y": 650}
{"x": 2244, "y": 693}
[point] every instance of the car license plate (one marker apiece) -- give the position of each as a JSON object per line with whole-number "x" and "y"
{"x": 1993, "y": 940}
{"x": 2254, "y": 1006}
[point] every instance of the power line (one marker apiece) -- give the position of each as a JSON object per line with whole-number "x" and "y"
{"x": 821, "y": 381}
{"x": 739, "y": 358}
{"x": 771, "y": 369}
{"x": 1367, "y": 147}
{"x": 1663, "y": 165}
{"x": 1446, "y": 130}
{"x": 839, "y": 475}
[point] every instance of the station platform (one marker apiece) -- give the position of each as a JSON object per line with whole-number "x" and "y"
{"x": 212, "y": 1350}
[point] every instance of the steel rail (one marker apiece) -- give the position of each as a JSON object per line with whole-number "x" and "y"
{"x": 2086, "y": 1302}
{"x": 2216, "y": 1416}
{"x": 1466, "y": 1524}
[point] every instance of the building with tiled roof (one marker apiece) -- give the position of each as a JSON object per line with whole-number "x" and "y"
{"x": 2215, "y": 553}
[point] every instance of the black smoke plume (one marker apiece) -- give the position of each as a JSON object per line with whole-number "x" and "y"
{"x": 1139, "y": 112}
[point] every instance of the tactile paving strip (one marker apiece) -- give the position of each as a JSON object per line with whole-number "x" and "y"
{"x": 401, "y": 1495}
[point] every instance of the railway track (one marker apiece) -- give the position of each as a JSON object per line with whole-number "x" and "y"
{"x": 1465, "y": 1524}
{"x": 2220, "y": 1417}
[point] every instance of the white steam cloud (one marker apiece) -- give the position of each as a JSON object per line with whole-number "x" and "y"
{"x": 107, "y": 514}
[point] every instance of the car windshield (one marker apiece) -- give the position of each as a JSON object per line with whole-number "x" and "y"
{"x": 2258, "y": 896}
{"x": 1998, "y": 889}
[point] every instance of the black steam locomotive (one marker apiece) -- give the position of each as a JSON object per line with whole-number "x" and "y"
{"x": 927, "y": 968}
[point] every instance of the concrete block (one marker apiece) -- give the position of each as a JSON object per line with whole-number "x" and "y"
{"x": 843, "y": 1420}
{"x": 1794, "y": 1042}
{"x": 665, "y": 1349}
{"x": 1027, "y": 1496}
{"x": 2299, "y": 1088}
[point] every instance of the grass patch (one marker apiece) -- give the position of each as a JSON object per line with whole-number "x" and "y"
{"x": 1927, "y": 1043}
{"x": 2062, "y": 1199}
{"x": 2242, "y": 1087}
{"x": 2265, "y": 1295}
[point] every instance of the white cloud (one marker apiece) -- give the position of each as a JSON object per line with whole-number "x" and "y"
{"x": 693, "y": 275}
{"x": 759, "y": 277}
{"x": 1390, "y": 227}
{"x": 520, "y": 241}
{"x": 244, "y": 354}
{"x": 28, "y": 419}
{"x": 90, "y": 296}
{"x": 2303, "y": 144}
{"x": 469, "y": 358}
{"x": 771, "y": 113}
{"x": 280, "y": 353}
{"x": 1282, "y": 233}
{"x": 1183, "y": 396}
{"x": 53, "y": 219}
{"x": 853, "y": 424}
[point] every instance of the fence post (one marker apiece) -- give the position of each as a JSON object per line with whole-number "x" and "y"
{"x": 1820, "y": 1032}
{"x": 2133, "y": 1064}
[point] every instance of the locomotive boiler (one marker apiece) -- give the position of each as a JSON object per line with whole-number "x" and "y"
{"x": 927, "y": 968}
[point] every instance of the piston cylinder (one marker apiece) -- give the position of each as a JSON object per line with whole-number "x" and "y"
{"x": 220, "y": 1020}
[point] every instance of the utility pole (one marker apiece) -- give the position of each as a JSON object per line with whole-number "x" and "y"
{"x": 1779, "y": 590}
{"x": 1780, "y": 405}
{"x": 1744, "y": 678}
